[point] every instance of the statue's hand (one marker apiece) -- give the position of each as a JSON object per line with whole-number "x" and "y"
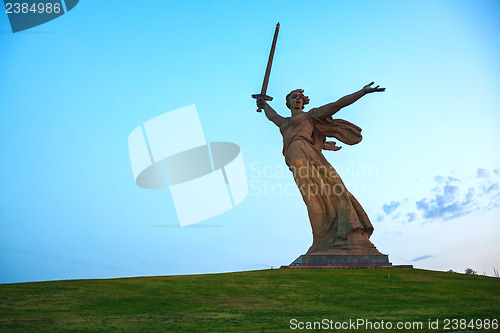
{"x": 368, "y": 89}
{"x": 261, "y": 103}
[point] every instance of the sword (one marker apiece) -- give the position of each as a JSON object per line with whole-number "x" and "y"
{"x": 262, "y": 94}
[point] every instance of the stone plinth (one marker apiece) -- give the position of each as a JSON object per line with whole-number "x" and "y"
{"x": 325, "y": 260}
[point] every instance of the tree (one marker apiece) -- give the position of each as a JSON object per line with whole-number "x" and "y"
{"x": 470, "y": 271}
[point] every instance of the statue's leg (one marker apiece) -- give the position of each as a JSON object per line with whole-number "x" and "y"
{"x": 317, "y": 220}
{"x": 362, "y": 216}
{"x": 311, "y": 189}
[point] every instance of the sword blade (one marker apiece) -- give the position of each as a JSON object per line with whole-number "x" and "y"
{"x": 262, "y": 94}
{"x": 270, "y": 61}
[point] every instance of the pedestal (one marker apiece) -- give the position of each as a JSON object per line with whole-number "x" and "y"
{"x": 343, "y": 261}
{"x": 308, "y": 260}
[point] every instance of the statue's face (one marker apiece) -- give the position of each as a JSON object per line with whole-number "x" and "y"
{"x": 296, "y": 101}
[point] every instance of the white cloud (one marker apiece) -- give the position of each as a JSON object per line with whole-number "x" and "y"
{"x": 451, "y": 198}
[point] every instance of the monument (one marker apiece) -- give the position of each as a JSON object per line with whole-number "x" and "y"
{"x": 341, "y": 229}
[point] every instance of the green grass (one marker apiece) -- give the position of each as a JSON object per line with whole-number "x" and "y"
{"x": 248, "y": 301}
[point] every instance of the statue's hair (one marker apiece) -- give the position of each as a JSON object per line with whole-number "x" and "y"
{"x": 301, "y": 92}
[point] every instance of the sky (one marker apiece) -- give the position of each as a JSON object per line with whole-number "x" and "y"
{"x": 71, "y": 91}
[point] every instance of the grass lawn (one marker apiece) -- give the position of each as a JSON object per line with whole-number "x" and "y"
{"x": 252, "y": 301}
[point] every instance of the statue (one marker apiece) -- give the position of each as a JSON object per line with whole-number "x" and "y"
{"x": 339, "y": 224}
{"x": 341, "y": 229}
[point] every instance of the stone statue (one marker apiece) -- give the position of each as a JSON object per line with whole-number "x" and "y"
{"x": 339, "y": 224}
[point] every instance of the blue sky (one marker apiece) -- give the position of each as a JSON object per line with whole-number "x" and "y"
{"x": 74, "y": 88}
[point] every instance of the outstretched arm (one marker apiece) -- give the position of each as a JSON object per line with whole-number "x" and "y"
{"x": 270, "y": 113}
{"x": 332, "y": 108}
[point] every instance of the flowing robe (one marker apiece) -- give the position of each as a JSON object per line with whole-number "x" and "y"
{"x": 333, "y": 211}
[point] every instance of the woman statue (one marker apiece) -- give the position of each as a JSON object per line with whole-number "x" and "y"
{"x": 339, "y": 223}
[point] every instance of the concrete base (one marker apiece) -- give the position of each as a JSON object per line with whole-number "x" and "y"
{"x": 350, "y": 261}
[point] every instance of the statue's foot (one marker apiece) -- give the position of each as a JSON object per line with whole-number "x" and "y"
{"x": 357, "y": 243}
{"x": 315, "y": 247}
{"x": 358, "y": 236}
{"x": 312, "y": 249}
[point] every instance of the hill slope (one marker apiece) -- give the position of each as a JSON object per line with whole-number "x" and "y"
{"x": 254, "y": 301}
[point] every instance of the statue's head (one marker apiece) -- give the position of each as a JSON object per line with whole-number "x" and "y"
{"x": 296, "y": 99}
